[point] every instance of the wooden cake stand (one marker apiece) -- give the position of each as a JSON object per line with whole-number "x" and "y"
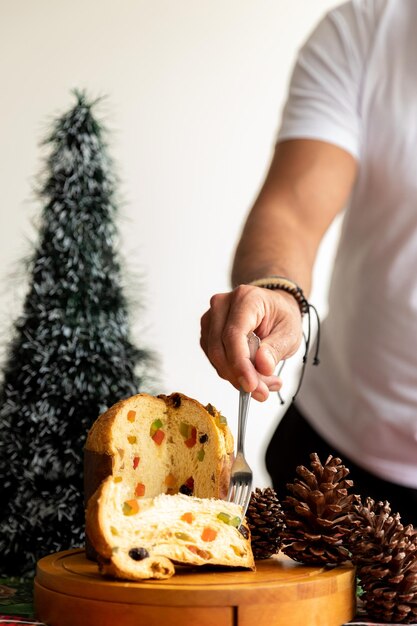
{"x": 69, "y": 591}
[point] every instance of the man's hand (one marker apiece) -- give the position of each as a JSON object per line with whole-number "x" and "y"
{"x": 273, "y": 315}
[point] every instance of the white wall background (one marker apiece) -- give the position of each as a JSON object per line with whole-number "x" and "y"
{"x": 195, "y": 89}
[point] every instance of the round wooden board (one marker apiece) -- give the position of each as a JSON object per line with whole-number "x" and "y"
{"x": 69, "y": 591}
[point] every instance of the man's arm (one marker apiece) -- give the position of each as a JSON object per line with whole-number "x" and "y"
{"x": 307, "y": 185}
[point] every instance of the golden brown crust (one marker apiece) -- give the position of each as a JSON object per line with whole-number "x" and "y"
{"x": 174, "y": 400}
{"x": 99, "y": 438}
{"x": 93, "y": 525}
{"x": 222, "y": 426}
{"x": 97, "y": 466}
{"x": 157, "y": 567}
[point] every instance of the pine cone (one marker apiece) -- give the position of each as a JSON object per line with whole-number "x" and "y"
{"x": 385, "y": 553}
{"x": 318, "y": 514}
{"x": 264, "y": 517}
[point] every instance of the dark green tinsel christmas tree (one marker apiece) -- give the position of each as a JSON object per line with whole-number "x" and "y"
{"x": 71, "y": 355}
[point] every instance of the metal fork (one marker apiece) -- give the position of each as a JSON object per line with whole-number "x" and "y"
{"x": 240, "y": 487}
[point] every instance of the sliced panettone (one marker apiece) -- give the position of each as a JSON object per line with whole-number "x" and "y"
{"x": 138, "y": 538}
{"x": 165, "y": 444}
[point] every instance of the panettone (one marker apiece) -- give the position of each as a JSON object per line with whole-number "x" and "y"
{"x": 138, "y": 538}
{"x": 155, "y": 445}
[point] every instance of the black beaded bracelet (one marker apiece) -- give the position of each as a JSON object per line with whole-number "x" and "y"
{"x": 284, "y": 284}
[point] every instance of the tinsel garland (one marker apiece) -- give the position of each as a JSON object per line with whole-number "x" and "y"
{"x": 71, "y": 355}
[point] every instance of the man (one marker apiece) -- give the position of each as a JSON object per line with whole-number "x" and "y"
{"x": 348, "y": 139}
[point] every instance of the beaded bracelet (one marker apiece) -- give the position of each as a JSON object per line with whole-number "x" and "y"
{"x": 285, "y": 284}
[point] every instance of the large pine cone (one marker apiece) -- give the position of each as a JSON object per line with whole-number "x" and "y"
{"x": 318, "y": 514}
{"x": 385, "y": 553}
{"x": 264, "y": 517}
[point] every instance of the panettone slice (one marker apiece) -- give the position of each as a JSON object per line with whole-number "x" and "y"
{"x": 139, "y": 538}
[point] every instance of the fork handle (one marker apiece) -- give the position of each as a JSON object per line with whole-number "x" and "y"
{"x": 244, "y": 400}
{"x": 244, "y": 397}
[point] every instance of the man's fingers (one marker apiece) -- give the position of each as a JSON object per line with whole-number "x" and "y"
{"x": 226, "y": 345}
{"x": 224, "y": 336}
{"x": 267, "y": 384}
{"x": 211, "y": 340}
{"x": 244, "y": 316}
{"x": 267, "y": 358}
{"x": 238, "y": 355}
{"x": 219, "y": 308}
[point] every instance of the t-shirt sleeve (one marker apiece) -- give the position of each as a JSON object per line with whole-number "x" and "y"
{"x": 325, "y": 90}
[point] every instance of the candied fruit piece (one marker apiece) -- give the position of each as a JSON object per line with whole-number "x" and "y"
{"x": 185, "y": 430}
{"x": 140, "y": 490}
{"x": 138, "y": 554}
{"x": 121, "y": 452}
{"x": 170, "y": 480}
{"x": 136, "y": 460}
{"x": 236, "y": 550}
{"x": 192, "y": 440}
{"x": 227, "y": 519}
{"x": 208, "y": 534}
{"x": 204, "y": 554}
{"x": 131, "y": 416}
{"x": 220, "y": 420}
{"x": 130, "y": 507}
{"x": 189, "y": 433}
{"x": 118, "y": 479}
{"x": 187, "y": 517}
{"x": 158, "y": 436}
{"x": 114, "y": 531}
{"x": 156, "y": 425}
{"x": 132, "y": 439}
{"x": 203, "y": 438}
{"x": 201, "y": 454}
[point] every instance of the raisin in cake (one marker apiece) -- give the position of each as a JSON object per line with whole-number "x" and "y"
{"x": 138, "y": 538}
{"x": 164, "y": 444}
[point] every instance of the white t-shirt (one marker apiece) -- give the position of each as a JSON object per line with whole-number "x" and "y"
{"x": 355, "y": 85}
